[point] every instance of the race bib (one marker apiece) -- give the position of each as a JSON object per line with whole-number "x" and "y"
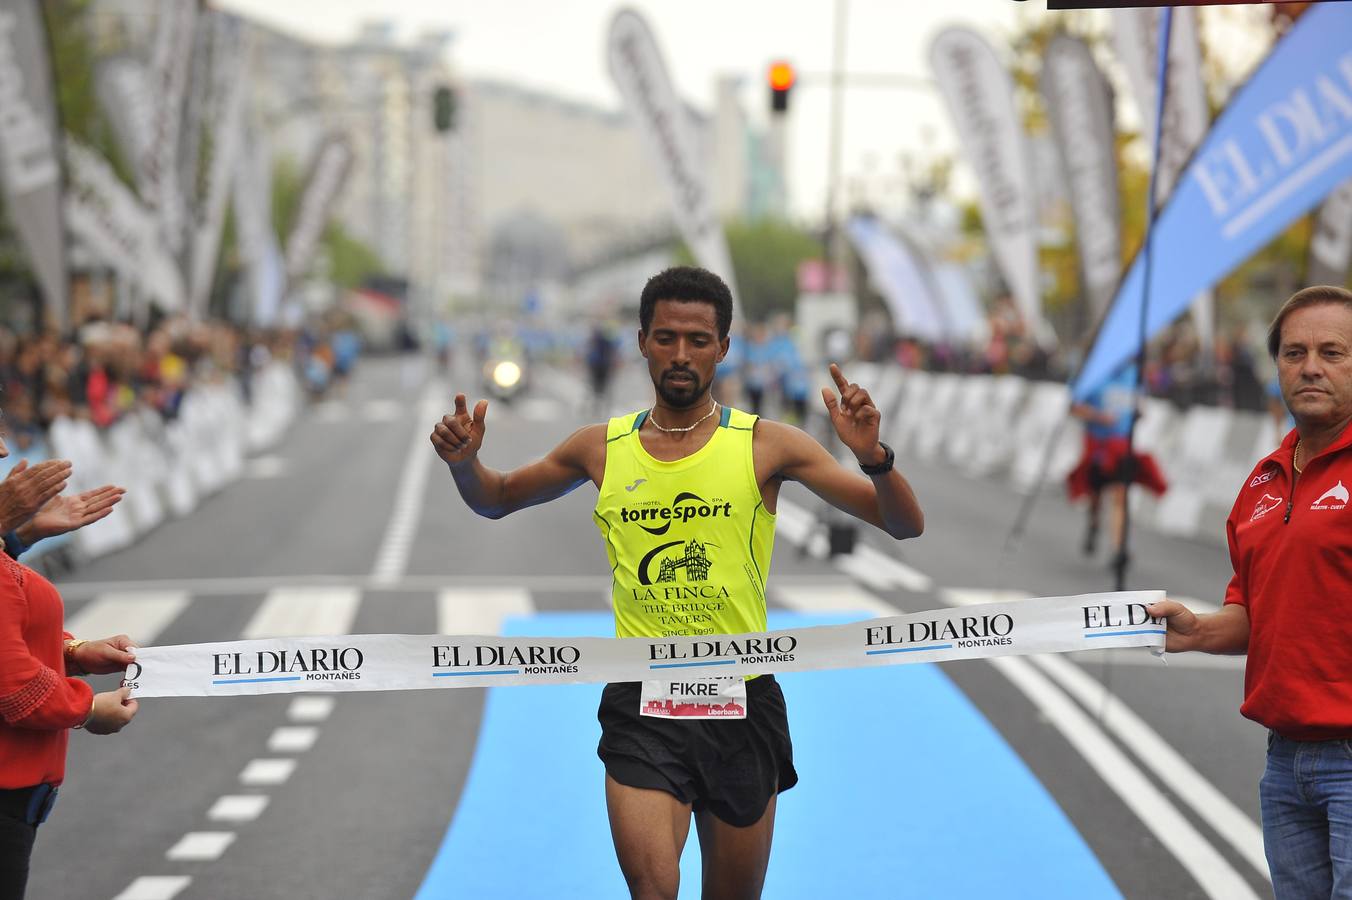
{"x": 695, "y": 698}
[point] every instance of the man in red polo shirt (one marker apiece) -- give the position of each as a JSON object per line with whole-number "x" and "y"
{"x": 1287, "y": 606}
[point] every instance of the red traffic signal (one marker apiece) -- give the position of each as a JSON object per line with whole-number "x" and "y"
{"x": 781, "y": 77}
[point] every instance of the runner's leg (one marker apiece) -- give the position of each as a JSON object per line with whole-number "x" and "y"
{"x": 649, "y": 828}
{"x": 735, "y": 859}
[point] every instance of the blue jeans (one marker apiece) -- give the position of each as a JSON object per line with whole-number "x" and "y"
{"x": 1306, "y": 797}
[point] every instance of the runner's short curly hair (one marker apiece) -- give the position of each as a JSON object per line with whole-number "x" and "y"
{"x": 689, "y": 284}
{"x": 1315, "y": 295}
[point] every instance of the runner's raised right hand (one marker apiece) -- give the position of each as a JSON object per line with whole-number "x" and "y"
{"x": 458, "y": 436}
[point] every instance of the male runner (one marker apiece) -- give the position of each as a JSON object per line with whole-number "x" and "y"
{"x": 687, "y": 497}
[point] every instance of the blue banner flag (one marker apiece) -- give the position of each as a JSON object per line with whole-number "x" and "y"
{"x": 1282, "y": 144}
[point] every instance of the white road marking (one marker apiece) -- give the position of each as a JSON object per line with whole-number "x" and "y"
{"x": 975, "y": 596}
{"x": 265, "y": 467}
{"x": 310, "y": 709}
{"x": 792, "y": 521}
{"x": 846, "y": 597}
{"x": 304, "y": 611}
{"x": 154, "y": 887}
{"x": 201, "y": 587}
{"x": 201, "y": 846}
{"x": 392, "y": 559}
{"x": 1140, "y": 656}
{"x": 261, "y": 772}
{"x": 887, "y": 568}
{"x": 293, "y": 739}
{"x": 1166, "y": 763}
{"x": 382, "y": 410}
{"x": 140, "y": 614}
{"x": 238, "y": 808}
{"x": 480, "y": 610}
{"x": 1211, "y": 870}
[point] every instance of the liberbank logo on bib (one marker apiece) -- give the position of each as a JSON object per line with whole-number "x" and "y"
{"x": 315, "y": 664}
{"x": 451, "y": 660}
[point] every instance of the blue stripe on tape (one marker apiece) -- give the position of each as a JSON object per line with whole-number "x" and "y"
{"x": 1121, "y": 633}
{"x": 910, "y": 649}
{"x": 256, "y": 680}
{"x": 905, "y": 769}
{"x": 717, "y": 662}
{"x": 493, "y": 672}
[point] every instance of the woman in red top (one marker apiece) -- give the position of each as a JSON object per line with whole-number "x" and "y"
{"x": 40, "y": 703}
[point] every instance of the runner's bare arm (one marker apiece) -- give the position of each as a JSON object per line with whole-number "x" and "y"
{"x": 458, "y": 438}
{"x": 885, "y": 501}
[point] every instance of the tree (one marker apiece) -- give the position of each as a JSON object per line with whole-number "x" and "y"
{"x": 765, "y": 257}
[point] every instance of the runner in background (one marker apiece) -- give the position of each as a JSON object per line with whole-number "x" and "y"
{"x": 687, "y": 493}
{"x": 1104, "y": 467}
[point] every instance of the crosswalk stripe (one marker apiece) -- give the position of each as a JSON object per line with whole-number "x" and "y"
{"x": 480, "y": 610}
{"x": 846, "y": 597}
{"x": 141, "y": 615}
{"x": 302, "y": 611}
{"x": 884, "y": 568}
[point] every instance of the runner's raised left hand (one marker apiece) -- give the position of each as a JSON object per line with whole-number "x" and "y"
{"x": 854, "y": 417}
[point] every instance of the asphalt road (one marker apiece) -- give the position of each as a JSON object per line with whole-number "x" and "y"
{"x": 976, "y": 778}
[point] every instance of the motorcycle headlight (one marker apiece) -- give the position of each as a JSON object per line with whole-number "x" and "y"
{"x": 506, "y": 374}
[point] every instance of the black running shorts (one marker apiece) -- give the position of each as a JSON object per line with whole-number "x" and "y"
{"x": 730, "y": 767}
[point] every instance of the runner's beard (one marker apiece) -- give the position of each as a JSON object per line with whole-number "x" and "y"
{"x": 681, "y": 396}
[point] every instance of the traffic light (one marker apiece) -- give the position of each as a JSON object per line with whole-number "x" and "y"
{"x": 443, "y": 109}
{"x": 781, "y": 76}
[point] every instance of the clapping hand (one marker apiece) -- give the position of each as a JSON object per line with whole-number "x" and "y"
{"x": 65, "y": 513}
{"x": 26, "y": 489}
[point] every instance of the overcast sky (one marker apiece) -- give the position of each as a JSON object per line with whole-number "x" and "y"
{"x": 559, "y": 46}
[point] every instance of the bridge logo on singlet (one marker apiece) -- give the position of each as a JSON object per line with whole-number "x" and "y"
{"x": 691, "y": 556}
{"x": 1265, "y": 506}
{"x": 686, "y": 507}
{"x": 1334, "y": 498}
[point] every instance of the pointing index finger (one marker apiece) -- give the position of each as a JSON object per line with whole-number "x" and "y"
{"x": 839, "y": 377}
{"x": 460, "y": 408}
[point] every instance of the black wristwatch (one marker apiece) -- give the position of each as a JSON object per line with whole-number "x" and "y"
{"x": 883, "y": 467}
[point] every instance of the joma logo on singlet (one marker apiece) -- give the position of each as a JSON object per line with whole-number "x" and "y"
{"x": 686, "y": 507}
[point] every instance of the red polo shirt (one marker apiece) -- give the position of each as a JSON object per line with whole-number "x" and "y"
{"x": 1291, "y": 548}
{"x": 38, "y": 703}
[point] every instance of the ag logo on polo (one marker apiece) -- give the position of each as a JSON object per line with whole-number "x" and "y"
{"x": 1334, "y": 498}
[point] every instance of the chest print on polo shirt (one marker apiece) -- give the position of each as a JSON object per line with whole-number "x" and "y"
{"x": 1334, "y": 498}
{"x": 1265, "y": 506}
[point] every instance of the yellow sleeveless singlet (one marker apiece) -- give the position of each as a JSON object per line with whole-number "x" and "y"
{"x": 689, "y": 541}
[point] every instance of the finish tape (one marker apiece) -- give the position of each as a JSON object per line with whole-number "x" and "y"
{"x": 401, "y": 662}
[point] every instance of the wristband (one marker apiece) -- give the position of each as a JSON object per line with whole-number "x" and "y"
{"x": 883, "y": 467}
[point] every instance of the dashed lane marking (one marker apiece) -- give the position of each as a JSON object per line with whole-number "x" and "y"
{"x": 263, "y": 772}
{"x": 238, "y": 808}
{"x": 155, "y": 887}
{"x": 310, "y": 709}
{"x": 293, "y": 739}
{"x": 201, "y": 846}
